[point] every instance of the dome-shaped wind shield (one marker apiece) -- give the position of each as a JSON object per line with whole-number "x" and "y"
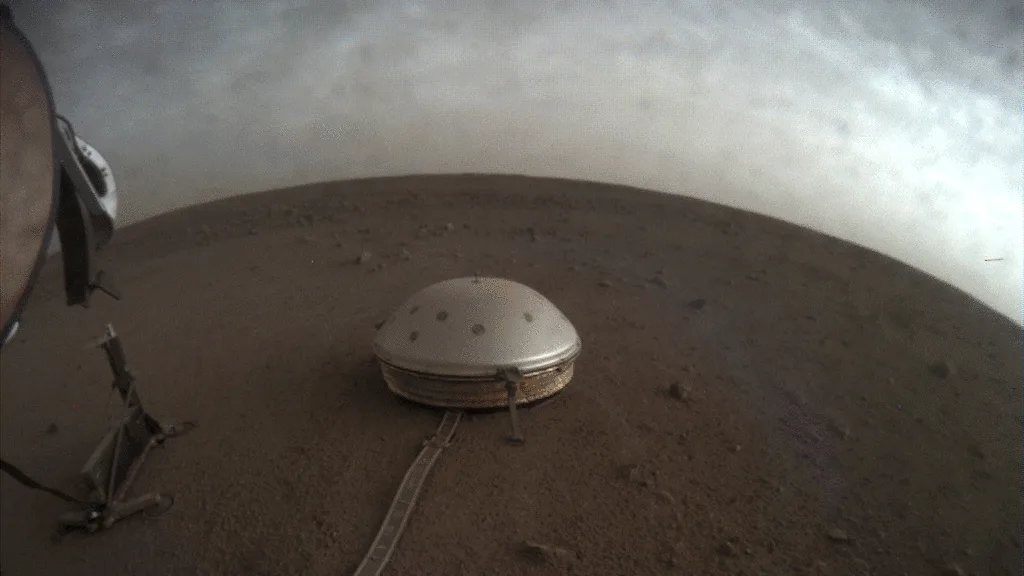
{"x": 475, "y": 327}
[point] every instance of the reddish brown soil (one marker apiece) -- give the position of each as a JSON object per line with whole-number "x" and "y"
{"x": 815, "y": 406}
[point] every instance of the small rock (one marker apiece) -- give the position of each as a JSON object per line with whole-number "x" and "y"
{"x": 735, "y": 448}
{"x": 379, "y": 325}
{"x": 449, "y": 227}
{"x": 643, "y": 475}
{"x": 863, "y": 567}
{"x": 838, "y": 535}
{"x": 679, "y": 391}
{"x": 697, "y": 303}
{"x": 574, "y": 268}
{"x": 636, "y": 475}
{"x": 665, "y": 497}
{"x": 659, "y": 281}
{"x": 405, "y": 255}
{"x": 728, "y": 549}
{"x": 52, "y": 428}
{"x": 952, "y": 570}
{"x": 364, "y": 257}
{"x": 839, "y": 429}
{"x": 252, "y": 231}
{"x": 545, "y": 554}
{"x": 942, "y": 369}
{"x": 821, "y": 568}
{"x": 604, "y": 284}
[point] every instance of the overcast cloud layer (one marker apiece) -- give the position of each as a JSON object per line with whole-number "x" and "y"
{"x": 896, "y": 125}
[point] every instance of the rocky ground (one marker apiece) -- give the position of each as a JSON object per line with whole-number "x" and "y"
{"x": 753, "y": 398}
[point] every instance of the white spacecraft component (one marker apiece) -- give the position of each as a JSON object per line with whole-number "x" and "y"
{"x": 458, "y": 344}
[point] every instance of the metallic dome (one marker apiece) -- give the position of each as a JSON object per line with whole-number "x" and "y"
{"x": 448, "y": 344}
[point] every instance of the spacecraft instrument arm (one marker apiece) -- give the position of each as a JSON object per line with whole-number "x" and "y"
{"x": 50, "y": 179}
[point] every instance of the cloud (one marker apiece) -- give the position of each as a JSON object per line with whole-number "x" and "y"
{"x": 881, "y": 123}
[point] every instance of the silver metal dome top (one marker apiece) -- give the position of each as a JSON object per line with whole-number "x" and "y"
{"x": 472, "y": 327}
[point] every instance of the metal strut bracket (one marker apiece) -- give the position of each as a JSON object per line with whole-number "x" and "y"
{"x": 401, "y": 507}
{"x": 513, "y": 378}
{"x": 113, "y": 466}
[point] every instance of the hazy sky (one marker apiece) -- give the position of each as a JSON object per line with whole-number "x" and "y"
{"x": 893, "y": 124}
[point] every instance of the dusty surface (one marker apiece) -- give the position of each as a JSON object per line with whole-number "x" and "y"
{"x": 752, "y": 399}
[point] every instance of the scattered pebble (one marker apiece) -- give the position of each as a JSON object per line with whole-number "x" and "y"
{"x": 839, "y": 428}
{"x": 735, "y": 448}
{"x": 729, "y": 549}
{"x": 449, "y": 227}
{"x": 838, "y": 535}
{"x": 665, "y": 497}
{"x": 643, "y": 475}
{"x": 320, "y": 520}
{"x": 659, "y": 281}
{"x": 952, "y": 570}
{"x": 405, "y": 255}
{"x": 976, "y": 451}
{"x": 546, "y": 554}
{"x": 821, "y": 568}
{"x": 942, "y": 369}
{"x": 364, "y": 257}
{"x": 679, "y": 391}
{"x": 52, "y": 428}
{"x": 697, "y": 303}
{"x": 604, "y": 284}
